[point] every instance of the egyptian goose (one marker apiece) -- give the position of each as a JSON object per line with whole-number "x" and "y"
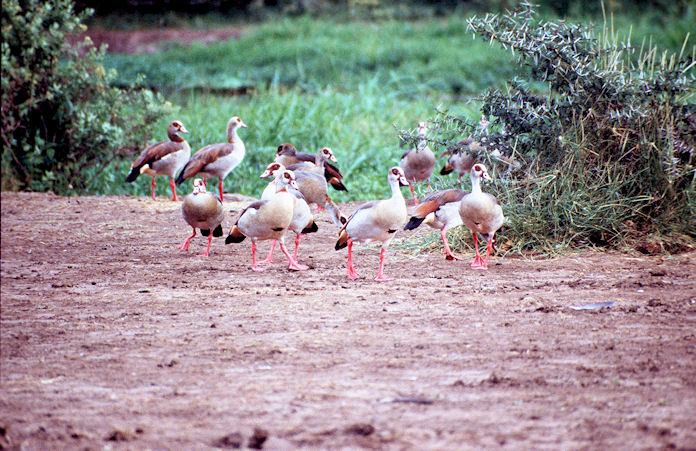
{"x": 287, "y": 155}
{"x": 460, "y": 160}
{"x": 202, "y": 210}
{"x": 217, "y": 160}
{"x": 268, "y": 220}
{"x": 440, "y": 210}
{"x": 163, "y": 158}
{"x": 418, "y": 163}
{"x": 312, "y": 186}
{"x": 377, "y": 220}
{"x": 481, "y": 213}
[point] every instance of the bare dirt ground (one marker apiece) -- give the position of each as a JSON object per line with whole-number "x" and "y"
{"x": 112, "y": 338}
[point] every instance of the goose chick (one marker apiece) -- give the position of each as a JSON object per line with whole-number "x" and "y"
{"x": 217, "y": 160}
{"x": 440, "y": 210}
{"x": 481, "y": 213}
{"x": 418, "y": 163}
{"x": 302, "y": 219}
{"x": 163, "y": 158}
{"x": 267, "y": 220}
{"x": 287, "y": 155}
{"x": 375, "y": 221}
{"x": 312, "y": 186}
{"x": 202, "y": 210}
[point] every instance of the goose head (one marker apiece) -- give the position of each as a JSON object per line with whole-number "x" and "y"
{"x": 284, "y": 179}
{"x": 478, "y": 172}
{"x": 236, "y": 122}
{"x": 327, "y": 154}
{"x": 286, "y": 149}
{"x": 174, "y": 128}
{"x": 271, "y": 169}
{"x": 396, "y": 174}
{"x": 198, "y": 186}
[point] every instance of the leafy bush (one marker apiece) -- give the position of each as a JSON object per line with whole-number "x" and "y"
{"x": 597, "y": 146}
{"x": 59, "y": 113}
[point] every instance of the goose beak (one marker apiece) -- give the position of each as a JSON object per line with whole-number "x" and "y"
{"x": 265, "y": 174}
{"x": 182, "y": 129}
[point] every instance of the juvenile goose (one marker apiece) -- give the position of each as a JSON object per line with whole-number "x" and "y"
{"x": 163, "y": 158}
{"x": 202, "y": 210}
{"x": 287, "y": 155}
{"x": 312, "y": 186}
{"x": 440, "y": 210}
{"x": 377, "y": 220}
{"x": 481, "y": 213}
{"x": 217, "y": 160}
{"x": 418, "y": 163}
{"x": 267, "y": 220}
{"x": 302, "y": 219}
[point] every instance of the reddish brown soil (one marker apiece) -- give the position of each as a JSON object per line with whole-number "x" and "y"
{"x": 113, "y": 338}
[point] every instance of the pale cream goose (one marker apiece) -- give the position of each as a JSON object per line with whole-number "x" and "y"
{"x": 287, "y": 155}
{"x": 163, "y": 158}
{"x": 202, "y": 210}
{"x": 217, "y": 160}
{"x": 302, "y": 218}
{"x": 439, "y": 210}
{"x": 418, "y": 163}
{"x": 312, "y": 186}
{"x": 267, "y": 220}
{"x": 481, "y": 213}
{"x": 375, "y": 221}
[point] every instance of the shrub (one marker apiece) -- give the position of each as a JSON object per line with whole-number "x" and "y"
{"x": 596, "y": 146}
{"x": 59, "y": 112}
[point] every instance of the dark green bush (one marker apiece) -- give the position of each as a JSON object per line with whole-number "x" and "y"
{"x": 597, "y": 145}
{"x": 59, "y": 112}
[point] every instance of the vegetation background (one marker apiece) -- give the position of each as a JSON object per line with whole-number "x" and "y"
{"x": 357, "y": 76}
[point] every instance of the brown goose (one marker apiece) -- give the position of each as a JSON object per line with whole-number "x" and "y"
{"x": 163, "y": 158}
{"x": 217, "y": 160}
{"x": 267, "y": 220}
{"x": 418, "y": 163}
{"x": 377, "y": 220}
{"x": 460, "y": 161}
{"x": 312, "y": 186}
{"x": 202, "y": 210}
{"x": 287, "y": 155}
{"x": 481, "y": 213}
{"x": 440, "y": 210}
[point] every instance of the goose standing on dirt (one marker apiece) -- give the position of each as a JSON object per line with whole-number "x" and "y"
{"x": 302, "y": 219}
{"x": 163, "y": 158}
{"x": 440, "y": 210}
{"x": 202, "y": 210}
{"x": 312, "y": 186}
{"x": 418, "y": 163}
{"x": 217, "y": 160}
{"x": 268, "y": 220}
{"x": 287, "y": 155}
{"x": 377, "y": 220}
{"x": 481, "y": 213}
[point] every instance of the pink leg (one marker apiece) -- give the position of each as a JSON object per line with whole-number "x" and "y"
{"x": 297, "y": 245}
{"x": 207, "y": 249}
{"x": 488, "y": 254}
{"x": 220, "y": 190}
{"x": 173, "y": 185}
{"x": 380, "y": 274}
{"x": 269, "y": 259}
{"x": 351, "y": 271}
{"x": 185, "y": 245}
{"x": 478, "y": 261}
{"x": 152, "y": 188}
{"x": 292, "y": 263}
{"x": 415, "y": 200}
{"x": 254, "y": 266}
{"x": 448, "y": 252}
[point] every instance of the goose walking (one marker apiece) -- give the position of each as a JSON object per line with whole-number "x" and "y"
{"x": 267, "y": 220}
{"x": 377, "y": 220}
{"x": 202, "y": 210}
{"x": 163, "y": 158}
{"x": 481, "y": 213}
{"x": 217, "y": 160}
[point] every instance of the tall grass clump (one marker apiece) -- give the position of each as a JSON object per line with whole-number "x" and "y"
{"x": 604, "y": 153}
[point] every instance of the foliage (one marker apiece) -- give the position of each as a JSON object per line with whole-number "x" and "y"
{"x": 59, "y": 113}
{"x": 605, "y": 152}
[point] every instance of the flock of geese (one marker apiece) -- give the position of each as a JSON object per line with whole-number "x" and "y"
{"x": 300, "y": 179}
